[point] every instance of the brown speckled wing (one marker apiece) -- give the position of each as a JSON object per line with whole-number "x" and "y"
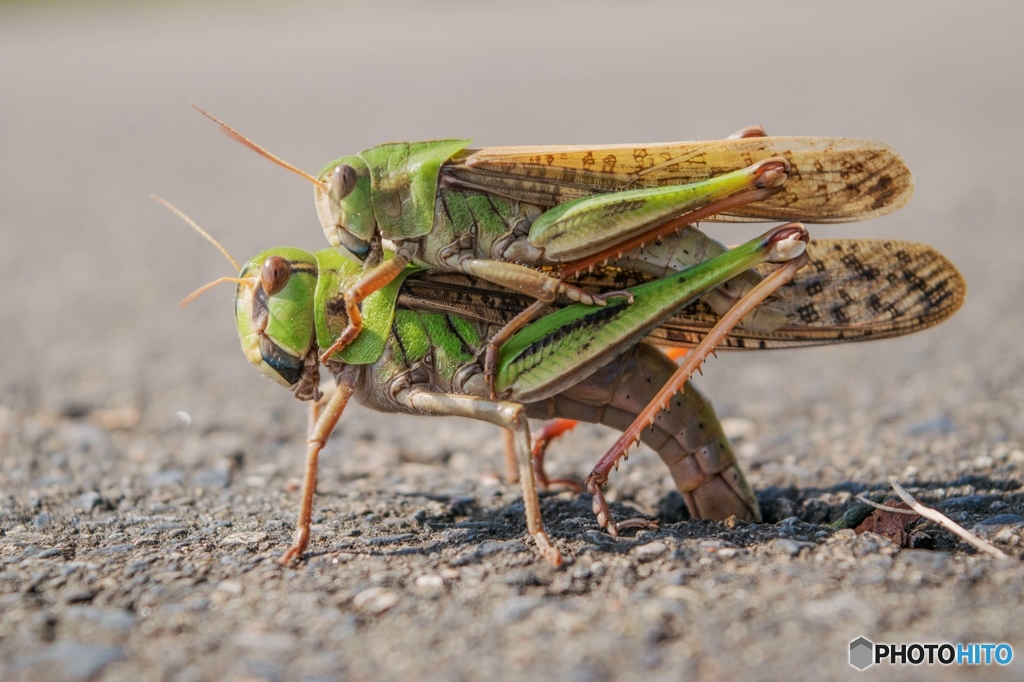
{"x": 833, "y": 179}
{"x": 851, "y": 290}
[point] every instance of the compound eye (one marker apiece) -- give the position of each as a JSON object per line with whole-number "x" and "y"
{"x": 274, "y": 274}
{"x": 343, "y": 180}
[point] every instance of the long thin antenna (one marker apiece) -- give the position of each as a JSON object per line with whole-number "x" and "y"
{"x": 239, "y": 137}
{"x": 206, "y": 287}
{"x": 198, "y": 229}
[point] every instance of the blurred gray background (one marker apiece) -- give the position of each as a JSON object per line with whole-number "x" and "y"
{"x": 94, "y": 117}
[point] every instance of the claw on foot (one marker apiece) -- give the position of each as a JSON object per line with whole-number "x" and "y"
{"x": 549, "y": 551}
{"x": 570, "y": 484}
{"x": 589, "y": 298}
{"x": 491, "y": 370}
{"x": 604, "y": 514}
{"x": 639, "y": 523}
{"x": 292, "y": 556}
{"x": 601, "y": 510}
{"x": 613, "y": 295}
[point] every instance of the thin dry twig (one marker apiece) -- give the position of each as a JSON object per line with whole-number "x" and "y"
{"x": 947, "y": 523}
{"x": 894, "y": 510}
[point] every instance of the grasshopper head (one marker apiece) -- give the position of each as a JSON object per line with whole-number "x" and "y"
{"x": 274, "y": 312}
{"x": 343, "y": 204}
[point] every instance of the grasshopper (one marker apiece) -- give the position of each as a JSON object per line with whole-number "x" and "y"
{"x": 288, "y": 305}
{"x": 503, "y": 213}
{"x": 862, "y": 289}
{"x": 689, "y": 438}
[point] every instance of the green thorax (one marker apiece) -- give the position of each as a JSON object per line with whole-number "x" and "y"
{"x": 487, "y": 217}
{"x": 336, "y": 275}
{"x": 403, "y": 177}
{"x": 450, "y": 341}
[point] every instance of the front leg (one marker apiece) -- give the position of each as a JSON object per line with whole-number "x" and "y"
{"x": 374, "y": 280}
{"x": 326, "y": 418}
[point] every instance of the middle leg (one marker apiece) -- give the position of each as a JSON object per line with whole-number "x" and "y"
{"x": 508, "y": 415}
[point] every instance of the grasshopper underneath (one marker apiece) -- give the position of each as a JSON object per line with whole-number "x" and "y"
{"x": 288, "y": 305}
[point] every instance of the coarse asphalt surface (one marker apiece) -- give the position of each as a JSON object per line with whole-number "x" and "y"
{"x": 147, "y": 471}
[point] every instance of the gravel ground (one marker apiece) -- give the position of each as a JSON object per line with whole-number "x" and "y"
{"x": 147, "y": 474}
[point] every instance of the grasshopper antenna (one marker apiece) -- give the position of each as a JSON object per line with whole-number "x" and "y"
{"x": 206, "y": 287}
{"x": 240, "y": 138}
{"x": 170, "y": 207}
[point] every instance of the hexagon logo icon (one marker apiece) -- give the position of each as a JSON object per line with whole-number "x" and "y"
{"x": 861, "y": 653}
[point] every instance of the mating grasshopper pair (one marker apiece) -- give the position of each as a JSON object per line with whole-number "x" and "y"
{"x": 583, "y": 361}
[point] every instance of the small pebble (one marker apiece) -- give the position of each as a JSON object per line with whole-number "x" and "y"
{"x": 115, "y": 418}
{"x": 486, "y": 549}
{"x": 748, "y": 450}
{"x": 166, "y": 478}
{"x": 940, "y": 424}
{"x": 1003, "y": 520}
{"x": 787, "y": 547}
{"x": 581, "y": 572}
{"x": 712, "y": 546}
{"x": 271, "y": 643}
{"x": 112, "y": 621}
{"x": 516, "y": 608}
{"x": 924, "y": 559}
{"x": 67, "y": 661}
{"x": 737, "y": 428}
{"x": 650, "y": 551}
{"x": 430, "y": 582}
{"x": 216, "y": 478}
{"x": 382, "y": 540}
{"x": 523, "y": 578}
{"x": 375, "y": 600}
{"x": 79, "y": 596}
{"x": 230, "y": 586}
{"x": 244, "y": 539}
{"x": 965, "y": 502}
{"x": 87, "y": 501}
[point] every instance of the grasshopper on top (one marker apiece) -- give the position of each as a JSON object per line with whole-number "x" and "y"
{"x": 504, "y": 213}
